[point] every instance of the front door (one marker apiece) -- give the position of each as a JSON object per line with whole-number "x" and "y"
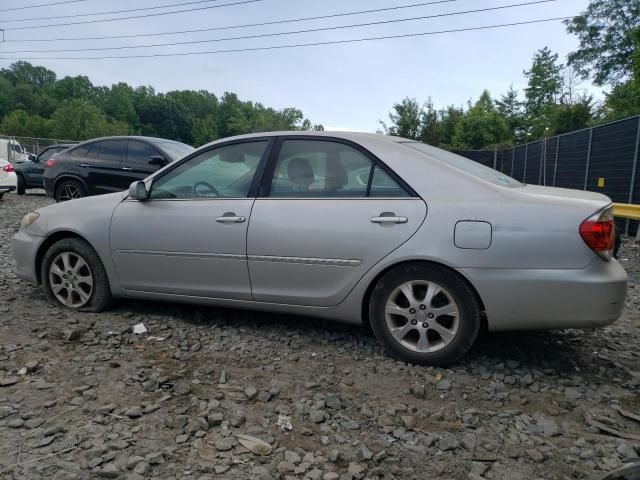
{"x": 331, "y": 213}
{"x": 138, "y": 163}
{"x": 189, "y": 237}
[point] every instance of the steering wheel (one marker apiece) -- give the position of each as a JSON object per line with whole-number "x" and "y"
{"x": 208, "y": 186}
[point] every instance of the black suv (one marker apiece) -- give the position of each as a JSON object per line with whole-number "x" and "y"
{"x": 106, "y": 165}
{"x": 30, "y": 173}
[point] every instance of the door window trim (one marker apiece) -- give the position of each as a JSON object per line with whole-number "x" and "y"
{"x": 255, "y": 183}
{"x": 264, "y": 190}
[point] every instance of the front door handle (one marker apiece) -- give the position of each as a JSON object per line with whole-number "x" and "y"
{"x": 230, "y": 218}
{"x": 389, "y": 219}
{"x": 127, "y": 169}
{"x": 85, "y": 165}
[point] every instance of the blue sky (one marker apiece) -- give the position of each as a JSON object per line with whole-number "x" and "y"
{"x": 350, "y": 86}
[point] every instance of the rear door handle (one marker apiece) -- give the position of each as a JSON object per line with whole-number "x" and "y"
{"x": 127, "y": 169}
{"x": 389, "y": 219}
{"x": 230, "y": 219}
{"x": 85, "y": 165}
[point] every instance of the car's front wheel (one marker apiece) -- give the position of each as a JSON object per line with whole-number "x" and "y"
{"x": 425, "y": 314}
{"x": 73, "y": 276}
{"x": 69, "y": 190}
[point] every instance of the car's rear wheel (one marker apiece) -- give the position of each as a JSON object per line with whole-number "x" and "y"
{"x": 425, "y": 314}
{"x": 21, "y": 185}
{"x": 69, "y": 190}
{"x": 73, "y": 276}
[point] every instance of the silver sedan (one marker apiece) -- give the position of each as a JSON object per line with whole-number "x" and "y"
{"x": 422, "y": 244}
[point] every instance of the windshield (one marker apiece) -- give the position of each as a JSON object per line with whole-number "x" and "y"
{"x": 175, "y": 150}
{"x": 464, "y": 164}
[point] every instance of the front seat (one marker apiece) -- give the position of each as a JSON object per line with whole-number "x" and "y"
{"x": 300, "y": 174}
{"x": 336, "y": 178}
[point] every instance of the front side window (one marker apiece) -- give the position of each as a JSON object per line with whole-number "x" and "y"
{"x": 224, "y": 172}
{"x": 326, "y": 169}
{"x": 140, "y": 153}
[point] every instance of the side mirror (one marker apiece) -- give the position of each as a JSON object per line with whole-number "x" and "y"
{"x": 138, "y": 191}
{"x": 158, "y": 160}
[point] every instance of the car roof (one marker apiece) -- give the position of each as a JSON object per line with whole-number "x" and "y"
{"x": 133, "y": 137}
{"x": 346, "y": 135}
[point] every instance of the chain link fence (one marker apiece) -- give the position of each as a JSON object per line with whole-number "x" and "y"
{"x": 600, "y": 159}
{"x": 18, "y": 149}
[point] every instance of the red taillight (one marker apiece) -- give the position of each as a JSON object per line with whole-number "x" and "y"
{"x": 598, "y": 232}
{"x": 8, "y": 168}
{"x": 50, "y": 163}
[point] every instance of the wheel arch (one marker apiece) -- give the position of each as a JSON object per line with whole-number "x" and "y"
{"x": 50, "y": 240}
{"x": 367, "y": 296}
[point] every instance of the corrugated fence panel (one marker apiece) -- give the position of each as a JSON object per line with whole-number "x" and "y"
{"x": 518, "y": 162}
{"x": 549, "y": 161}
{"x": 612, "y": 151}
{"x": 572, "y": 160}
{"x": 534, "y": 163}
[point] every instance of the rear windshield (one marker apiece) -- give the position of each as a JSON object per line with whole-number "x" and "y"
{"x": 464, "y": 164}
{"x": 176, "y": 150}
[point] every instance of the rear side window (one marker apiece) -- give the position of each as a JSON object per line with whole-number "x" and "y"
{"x": 109, "y": 150}
{"x": 382, "y": 185}
{"x": 326, "y": 169}
{"x": 82, "y": 150}
{"x": 140, "y": 153}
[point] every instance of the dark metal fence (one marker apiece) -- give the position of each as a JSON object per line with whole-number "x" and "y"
{"x": 600, "y": 159}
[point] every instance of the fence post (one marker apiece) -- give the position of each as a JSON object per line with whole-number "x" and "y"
{"x": 542, "y": 159}
{"x": 495, "y": 157}
{"x": 555, "y": 167}
{"x": 513, "y": 156}
{"x": 526, "y": 154}
{"x": 634, "y": 171}
{"x": 586, "y": 170}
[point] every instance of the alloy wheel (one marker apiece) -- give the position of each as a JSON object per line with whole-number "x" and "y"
{"x": 422, "y": 316}
{"x": 69, "y": 192}
{"x": 71, "y": 279}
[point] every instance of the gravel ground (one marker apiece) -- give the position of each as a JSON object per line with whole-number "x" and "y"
{"x": 81, "y": 396}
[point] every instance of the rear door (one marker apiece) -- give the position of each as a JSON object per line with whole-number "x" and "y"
{"x": 137, "y": 163}
{"x": 103, "y": 166}
{"x": 328, "y": 212}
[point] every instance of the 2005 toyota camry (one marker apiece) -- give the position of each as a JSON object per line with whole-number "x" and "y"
{"x": 422, "y": 244}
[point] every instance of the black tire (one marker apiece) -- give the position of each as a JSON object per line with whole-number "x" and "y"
{"x": 22, "y": 185}
{"x": 64, "y": 186}
{"x": 100, "y": 298}
{"x": 617, "y": 242}
{"x": 469, "y": 310}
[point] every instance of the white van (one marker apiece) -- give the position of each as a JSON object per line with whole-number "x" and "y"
{"x": 11, "y": 151}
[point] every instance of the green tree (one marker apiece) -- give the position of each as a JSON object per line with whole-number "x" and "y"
{"x": 405, "y": 119}
{"x": 7, "y": 96}
{"x": 543, "y": 91}
{"x": 69, "y": 88}
{"x": 204, "y": 130}
{"x": 21, "y": 124}
{"x": 604, "y": 31}
{"x": 80, "y": 120}
{"x": 482, "y": 126}
{"x": 624, "y": 99}
{"x": 511, "y": 109}
{"x": 24, "y": 72}
{"x": 569, "y": 117}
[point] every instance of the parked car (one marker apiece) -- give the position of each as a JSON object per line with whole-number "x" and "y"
{"x": 30, "y": 173}
{"x": 7, "y": 177}
{"x": 11, "y": 151}
{"x": 430, "y": 248}
{"x": 107, "y": 165}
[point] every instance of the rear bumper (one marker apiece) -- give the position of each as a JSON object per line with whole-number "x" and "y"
{"x": 48, "y": 183}
{"x": 25, "y": 249}
{"x": 544, "y": 299}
